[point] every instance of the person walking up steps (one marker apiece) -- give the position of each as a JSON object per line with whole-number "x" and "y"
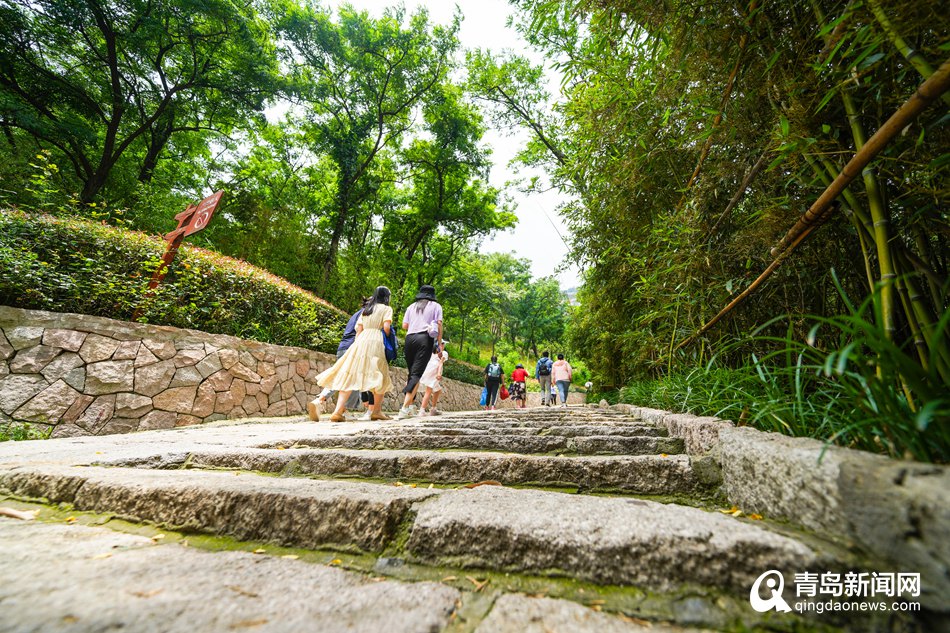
{"x": 363, "y": 366}
{"x": 315, "y": 408}
{"x": 432, "y": 380}
{"x": 423, "y": 326}
{"x": 542, "y": 371}
{"x": 519, "y": 390}
{"x": 493, "y": 375}
{"x": 561, "y": 374}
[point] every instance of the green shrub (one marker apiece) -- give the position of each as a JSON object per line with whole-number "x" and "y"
{"x": 866, "y": 392}
{"x": 68, "y": 265}
{"x": 63, "y": 264}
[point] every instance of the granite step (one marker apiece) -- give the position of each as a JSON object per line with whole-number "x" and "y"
{"x": 604, "y": 540}
{"x": 630, "y": 474}
{"x": 487, "y": 441}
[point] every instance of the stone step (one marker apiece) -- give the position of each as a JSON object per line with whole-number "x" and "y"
{"x": 608, "y": 541}
{"x": 583, "y": 445}
{"x": 470, "y": 428}
{"x": 298, "y": 512}
{"x": 633, "y": 474}
{"x": 80, "y": 579}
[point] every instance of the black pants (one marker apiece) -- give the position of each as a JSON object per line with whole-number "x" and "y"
{"x": 492, "y": 384}
{"x": 418, "y": 349}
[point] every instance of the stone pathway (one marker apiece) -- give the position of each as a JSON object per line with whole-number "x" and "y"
{"x": 579, "y": 519}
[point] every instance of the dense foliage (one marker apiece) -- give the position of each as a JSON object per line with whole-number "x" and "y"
{"x": 349, "y": 147}
{"x": 692, "y": 136}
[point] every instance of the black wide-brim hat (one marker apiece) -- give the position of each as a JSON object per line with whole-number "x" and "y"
{"x": 426, "y": 292}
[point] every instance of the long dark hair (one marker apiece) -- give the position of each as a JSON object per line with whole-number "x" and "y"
{"x": 381, "y": 295}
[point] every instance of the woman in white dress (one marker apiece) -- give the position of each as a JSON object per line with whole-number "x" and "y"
{"x": 363, "y": 367}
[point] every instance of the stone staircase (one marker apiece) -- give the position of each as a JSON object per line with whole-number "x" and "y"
{"x": 544, "y": 519}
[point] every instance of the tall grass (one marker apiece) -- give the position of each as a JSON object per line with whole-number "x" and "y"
{"x": 847, "y": 383}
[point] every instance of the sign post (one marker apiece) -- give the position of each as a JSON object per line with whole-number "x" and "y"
{"x": 190, "y": 221}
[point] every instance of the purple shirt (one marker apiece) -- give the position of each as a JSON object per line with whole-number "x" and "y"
{"x": 419, "y": 321}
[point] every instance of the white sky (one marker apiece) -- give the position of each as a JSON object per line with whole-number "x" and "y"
{"x": 535, "y": 238}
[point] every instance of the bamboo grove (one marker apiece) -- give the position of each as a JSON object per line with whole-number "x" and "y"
{"x": 706, "y": 143}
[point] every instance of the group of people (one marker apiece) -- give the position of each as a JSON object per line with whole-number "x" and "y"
{"x": 554, "y": 377}
{"x": 361, "y": 371}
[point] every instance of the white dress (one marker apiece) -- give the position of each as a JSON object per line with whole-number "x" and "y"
{"x": 363, "y": 367}
{"x": 433, "y": 369}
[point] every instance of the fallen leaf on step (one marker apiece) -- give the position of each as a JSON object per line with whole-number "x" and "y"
{"x": 450, "y": 578}
{"x": 643, "y": 623}
{"x": 247, "y": 624}
{"x": 23, "y": 515}
{"x": 755, "y": 517}
{"x": 146, "y": 594}
{"x": 282, "y": 448}
{"x": 70, "y": 519}
{"x": 487, "y": 482}
{"x": 663, "y": 455}
{"x": 336, "y": 561}
{"x": 431, "y": 486}
{"x": 260, "y": 550}
{"x": 290, "y": 556}
{"x": 101, "y": 556}
{"x": 731, "y": 510}
{"x": 158, "y": 537}
{"x": 479, "y": 584}
{"x": 243, "y": 592}
{"x": 398, "y": 483}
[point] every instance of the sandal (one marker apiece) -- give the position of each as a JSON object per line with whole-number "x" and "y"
{"x": 337, "y": 417}
{"x": 381, "y": 416}
{"x": 313, "y": 411}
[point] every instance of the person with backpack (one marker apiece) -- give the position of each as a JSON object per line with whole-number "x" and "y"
{"x": 363, "y": 367}
{"x": 542, "y": 372}
{"x": 493, "y": 375}
{"x": 561, "y": 374}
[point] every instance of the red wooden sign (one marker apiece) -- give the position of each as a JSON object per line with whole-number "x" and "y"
{"x": 190, "y": 221}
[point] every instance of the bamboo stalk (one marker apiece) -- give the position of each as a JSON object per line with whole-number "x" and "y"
{"x": 749, "y": 177}
{"x": 912, "y": 55}
{"x": 879, "y": 217}
{"x": 926, "y": 93}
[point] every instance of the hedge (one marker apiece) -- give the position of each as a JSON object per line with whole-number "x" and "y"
{"x": 63, "y": 264}
{"x": 67, "y": 265}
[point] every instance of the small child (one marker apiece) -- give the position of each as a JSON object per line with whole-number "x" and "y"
{"x": 432, "y": 379}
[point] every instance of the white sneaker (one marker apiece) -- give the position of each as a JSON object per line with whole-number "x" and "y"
{"x": 403, "y": 414}
{"x": 366, "y": 416}
{"x": 413, "y": 411}
{"x": 434, "y": 411}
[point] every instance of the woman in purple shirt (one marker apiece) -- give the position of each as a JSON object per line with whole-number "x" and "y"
{"x": 423, "y": 326}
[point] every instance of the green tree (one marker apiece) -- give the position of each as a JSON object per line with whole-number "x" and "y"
{"x": 360, "y": 80}
{"x": 105, "y": 81}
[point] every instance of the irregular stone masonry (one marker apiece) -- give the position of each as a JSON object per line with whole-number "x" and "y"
{"x": 86, "y": 375}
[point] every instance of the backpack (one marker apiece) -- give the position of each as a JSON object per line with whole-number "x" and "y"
{"x": 390, "y": 344}
{"x": 494, "y": 370}
{"x": 544, "y": 369}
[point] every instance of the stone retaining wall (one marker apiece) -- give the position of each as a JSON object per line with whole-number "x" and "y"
{"x": 86, "y": 375}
